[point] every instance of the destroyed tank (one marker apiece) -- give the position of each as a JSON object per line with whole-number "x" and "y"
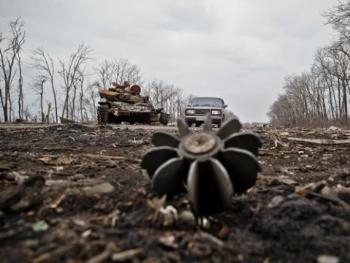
{"x": 123, "y": 103}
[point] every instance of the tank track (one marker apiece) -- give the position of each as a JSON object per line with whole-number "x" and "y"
{"x": 102, "y": 114}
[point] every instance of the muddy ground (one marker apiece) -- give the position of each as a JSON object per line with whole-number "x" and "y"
{"x": 95, "y": 204}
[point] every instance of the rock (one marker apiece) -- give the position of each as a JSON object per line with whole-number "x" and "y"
{"x": 224, "y": 232}
{"x": 168, "y": 241}
{"x": 311, "y": 187}
{"x": 276, "y": 201}
{"x": 327, "y": 259}
{"x": 169, "y": 215}
{"x": 187, "y": 218}
{"x": 283, "y": 180}
{"x": 126, "y": 255}
{"x": 103, "y": 188}
{"x": 333, "y": 128}
{"x": 40, "y": 226}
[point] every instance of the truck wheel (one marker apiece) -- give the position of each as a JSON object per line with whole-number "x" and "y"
{"x": 189, "y": 123}
{"x": 219, "y": 124}
{"x": 164, "y": 118}
{"x": 198, "y": 123}
{"x": 102, "y": 114}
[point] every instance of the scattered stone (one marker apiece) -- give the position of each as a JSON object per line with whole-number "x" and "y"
{"x": 276, "y": 201}
{"x": 312, "y": 187}
{"x": 103, "y": 188}
{"x": 126, "y": 255}
{"x": 224, "y": 232}
{"x": 24, "y": 196}
{"x": 168, "y": 241}
{"x": 40, "y": 226}
{"x": 187, "y": 218}
{"x": 327, "y": 259}
{"x": 169, "y": 215}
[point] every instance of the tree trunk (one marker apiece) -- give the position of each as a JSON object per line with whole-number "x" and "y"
{"x": 54, "y": 98}
{"x": 73, "y": 101}
{"x": 20, "y": 88}
{"x": 41, "y": 105}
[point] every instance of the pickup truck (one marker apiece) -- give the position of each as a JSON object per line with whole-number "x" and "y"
{"x": 199, "y": 107}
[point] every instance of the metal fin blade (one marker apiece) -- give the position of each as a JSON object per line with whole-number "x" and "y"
{"x": 242, "y": 167}
{"x": 231, "y": 126}
{"x": 165, "y": 139}
{"x": 209, "y": 187}
{"x": 244, "y": 140}
{"x": 169, "y": 179}
{"x": 208, "y": 124}
{"x": 156, "y": 157}
{"x": 182, "y": 127}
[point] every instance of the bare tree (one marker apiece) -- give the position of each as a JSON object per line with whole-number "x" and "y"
{"x": 123, "y": 70}
{"x": 70, "y": 73}
{"x": 39, "y": 89}
{"x": 90, "y": 101}
{"x": 20, "y": 88}
{"x": 8, "y": 55}
{"x": 320, "y": 96}
{"x": 339, "y": 18}
{"x": 118, "y": 71}
{"x": 104, "y": 73}
{"x": 45, "y": 65}
{"x": 173, "y": 100}
{"x": 81, "y": 98}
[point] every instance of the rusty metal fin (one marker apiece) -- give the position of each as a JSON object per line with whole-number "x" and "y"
{"x": 156, "y": 157}
{"x": 244, "y": 140}
{"x": 242, "y": 166}
{"x": 165, "y": 139}
{"x": 231, "y": 126}
{"x": 169, "y": 178}
{"x": 209, "y": 187}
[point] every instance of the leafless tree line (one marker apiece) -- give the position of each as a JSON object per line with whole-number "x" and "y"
{"x": 10, "y": 63}
{"x": 71, "y": 78}
{"x": 118, "y": 71}
{"x": 320, "y": 96}
{"x": 173, "y": 100}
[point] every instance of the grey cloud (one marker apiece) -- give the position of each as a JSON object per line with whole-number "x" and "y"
{"x": 237, "y": 49}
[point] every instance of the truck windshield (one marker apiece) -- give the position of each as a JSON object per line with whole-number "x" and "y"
{"x": 210, "y": 102}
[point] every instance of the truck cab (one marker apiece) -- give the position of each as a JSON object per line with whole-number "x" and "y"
{"x": 199, "y": 107}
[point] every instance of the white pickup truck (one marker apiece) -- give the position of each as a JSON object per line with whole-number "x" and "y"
{"x": 196, "y": 111}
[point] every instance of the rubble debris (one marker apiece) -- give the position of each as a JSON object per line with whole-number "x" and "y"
{"x": 276, "y": 201}
{"x": 327, "y": 259}
{"x": 168, "y": 241}
{"x": 81, "y": 225}
{"x": 7, "y": 174}
{"x": 66, "y": 121}
{"x": 311, "y": 187}
{"x": 56, "y": 160}
{"x": 320, "y": 141}
{"x": 315, "y": 190}
{"x": 227, "y": 159}
{"x": 126, "y": 255}
{"x": 105, "y": 255}
{"x": 156, "y": 204}
{"x": 40, "y": 226}
{"x": 224, "y": 232}
{"x": 169, "y": 215}
{"x": 103, "y": 188}
{"x": 187, "y": 219}
{"x": 24, "y": 196}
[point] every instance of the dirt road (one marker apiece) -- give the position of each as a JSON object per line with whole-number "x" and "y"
{"x": 96, "y": 205}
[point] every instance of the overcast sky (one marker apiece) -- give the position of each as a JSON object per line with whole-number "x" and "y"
{"x": 240, "y": 50}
